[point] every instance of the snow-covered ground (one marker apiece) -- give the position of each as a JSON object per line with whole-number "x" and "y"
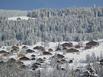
{"x": 78, "y": 58}
{"x": 20, "y": 17}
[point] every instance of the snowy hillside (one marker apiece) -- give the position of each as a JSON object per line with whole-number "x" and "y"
{"x": 77, "y": 57}
{"x": 12, "y": 13}
{"x": 52, "y": 43}
{"x": 54, "y": 55}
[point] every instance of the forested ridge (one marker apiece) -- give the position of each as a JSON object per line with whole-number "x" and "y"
{"x": 51, "y": 25}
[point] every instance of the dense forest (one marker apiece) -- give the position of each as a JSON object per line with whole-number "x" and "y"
{"x": 51, "y": 25}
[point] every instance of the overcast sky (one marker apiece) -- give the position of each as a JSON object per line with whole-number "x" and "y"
{"x": 32, "y": 4}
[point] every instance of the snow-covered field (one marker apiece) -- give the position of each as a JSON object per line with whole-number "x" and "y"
{"x": 19, "y": 17}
